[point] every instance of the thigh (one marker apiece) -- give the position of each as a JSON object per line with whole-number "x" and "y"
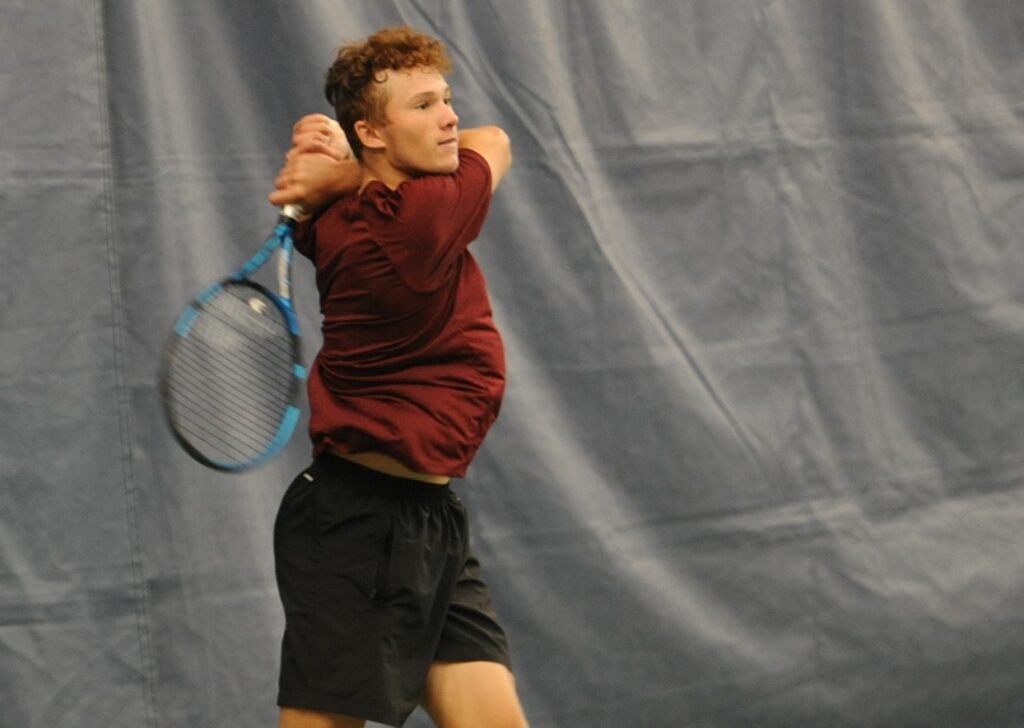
{"x": 472, "y": 694}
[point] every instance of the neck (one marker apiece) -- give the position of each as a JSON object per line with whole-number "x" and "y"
{"x": 375, "y": 166}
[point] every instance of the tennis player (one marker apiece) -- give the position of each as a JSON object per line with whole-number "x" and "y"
{"x": 385, "y": 607}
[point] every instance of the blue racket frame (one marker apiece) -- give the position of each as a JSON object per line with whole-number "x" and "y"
{"x": 282, "y": 238}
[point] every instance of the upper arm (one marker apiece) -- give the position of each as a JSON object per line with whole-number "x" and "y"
{"x": 493, "y": 144}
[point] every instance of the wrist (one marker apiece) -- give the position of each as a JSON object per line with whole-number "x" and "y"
{"x": 346, "y": 179}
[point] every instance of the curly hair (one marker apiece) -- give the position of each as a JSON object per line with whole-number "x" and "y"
{"x": 354, "y": 81}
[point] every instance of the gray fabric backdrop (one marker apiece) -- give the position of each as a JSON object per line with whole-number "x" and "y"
{"x": 758, "y": 266}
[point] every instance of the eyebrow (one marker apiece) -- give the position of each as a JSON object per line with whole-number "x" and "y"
{"x": 424, "y": 95}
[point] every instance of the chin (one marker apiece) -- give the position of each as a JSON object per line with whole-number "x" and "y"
{"x": 450, "y": 166}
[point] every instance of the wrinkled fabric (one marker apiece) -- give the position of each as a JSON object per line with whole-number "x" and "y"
{"x": 757, "y": 267}
{"x": 412, "y": 365}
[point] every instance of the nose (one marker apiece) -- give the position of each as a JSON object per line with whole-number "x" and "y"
{"x": 449, "y": 118}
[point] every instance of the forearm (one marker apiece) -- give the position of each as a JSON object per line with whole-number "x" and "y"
{"x": 348, "y": 175}
{"x": 315, "y": 181}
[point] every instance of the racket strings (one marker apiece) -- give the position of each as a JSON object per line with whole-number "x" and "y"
{"x": 230, "y": 333}
{"x": 219, "y": 415}
{"x": 215, "y": 416}
{"x": 233, "y": 378}
{"x": 204, "y": 397}
{"x": 251, "y": 351}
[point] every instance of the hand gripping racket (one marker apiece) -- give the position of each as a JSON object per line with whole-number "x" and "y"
{"x": 230, "y": 375}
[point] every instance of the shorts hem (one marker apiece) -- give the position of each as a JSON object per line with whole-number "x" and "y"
{"x": 460, "y": 654}
{"x": 341, "y": 706}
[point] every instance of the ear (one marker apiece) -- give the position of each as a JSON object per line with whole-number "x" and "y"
{"x": 369, "y": 135}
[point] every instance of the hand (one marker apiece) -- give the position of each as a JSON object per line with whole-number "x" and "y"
{"x": 318, "y": 167}
{"x": 319, "y": 134}
{"x": 310, "y": 179}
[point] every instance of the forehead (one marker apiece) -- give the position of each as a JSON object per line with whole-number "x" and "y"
{"x": 405, "y": 84}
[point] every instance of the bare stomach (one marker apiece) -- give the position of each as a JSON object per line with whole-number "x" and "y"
{"x": 386, "y": 464}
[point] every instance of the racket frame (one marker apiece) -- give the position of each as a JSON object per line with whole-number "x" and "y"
{"x": 281, "y": 239}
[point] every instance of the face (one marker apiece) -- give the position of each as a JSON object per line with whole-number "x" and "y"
{"x": 420, "y": 135}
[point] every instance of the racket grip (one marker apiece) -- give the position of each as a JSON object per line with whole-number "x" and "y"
{"x": 293, "y": 212}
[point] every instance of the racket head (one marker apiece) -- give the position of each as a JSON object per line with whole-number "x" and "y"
{"x": 230, "y": 376}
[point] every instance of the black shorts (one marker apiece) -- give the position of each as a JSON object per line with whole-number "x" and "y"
{"x": 377, "y": 581}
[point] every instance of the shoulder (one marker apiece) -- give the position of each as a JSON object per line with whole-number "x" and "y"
{"x": 469, "y": 186}
{"x": 472, "y": 173}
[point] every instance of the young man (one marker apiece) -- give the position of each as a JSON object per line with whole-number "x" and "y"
{"x": 384, "y": 604}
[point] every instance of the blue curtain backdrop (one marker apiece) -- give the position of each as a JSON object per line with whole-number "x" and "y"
{"x": 758, "y": 266}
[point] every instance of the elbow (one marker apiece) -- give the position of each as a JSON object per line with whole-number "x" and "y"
{"x": 501, "y": 144}
{"x": 508, "y": 149}
{"x": 493, "y": 144}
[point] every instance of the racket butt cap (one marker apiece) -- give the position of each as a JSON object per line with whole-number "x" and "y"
{"x": 295, "y": 213}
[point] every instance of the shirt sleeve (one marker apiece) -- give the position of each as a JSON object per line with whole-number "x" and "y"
{"x": 305, "y": 237}
{"x": 427, "y": 223}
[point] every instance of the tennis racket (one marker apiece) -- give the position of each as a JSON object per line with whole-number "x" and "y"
{"x": 230, "y": 373}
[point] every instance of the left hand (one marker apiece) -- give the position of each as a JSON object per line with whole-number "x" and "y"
{"x": 317, "y": 162}
{"x": 320, "y": 134}
{"x": 310, "y": 179}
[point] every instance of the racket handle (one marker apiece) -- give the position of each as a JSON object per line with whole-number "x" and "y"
{"x": 293, "y": 212}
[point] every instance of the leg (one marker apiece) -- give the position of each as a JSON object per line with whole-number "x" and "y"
{"x": 298, "y": 718}
{"x": 472, "y": 694}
